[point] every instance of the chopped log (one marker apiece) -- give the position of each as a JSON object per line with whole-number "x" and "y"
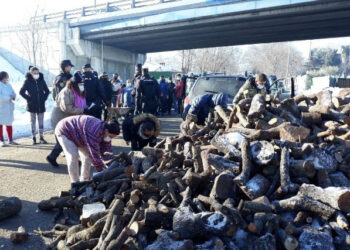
{"x": 223, "y": 187}
{"x": 257, "y": 107}
{"x": 243, "y": 178}
{"x": 262, "y": 152}
{"x": 222, "y": 114}
{"x": 256, "y": 207}
{"x": 192, "y": 179}
{"x": 325, "y": 98}
{"x": 342, "y": 240}
{"x": 294, "y": 134}
{"x": 290, "y": 105}
{"x": 165, "y": 240}
{"x": 302, "y": 168}
{"x": 300, "y": 98}
{"x": 286, "y": 184}
{"x": 155, "y": 152}
{"x": 288, "y": 241}
{"x": 242, "y": 119}
{"x": 323, "y": 179}
{"x": 312, "y": 239}
{"x": 89, "y": 233}
{"x": 56, "y": 202}
{"x": 256, "y": 187}
{"x": 265, "y": 242}
{"x": 84, "y": 244}
{"x": 108, "y": 174}
{"x": 304, "y": 203}
{"x": 220, "y": 163}
{"x": 20, "y": 236}
{"x": 300, "y": 218}
{"x": 339, "y": 180}
{"x": 224, "y": 146}
{"x": 311, "y": 118}
{"x": 336, "y": 197}
{"x": 342, "y": 221}
{"x": 10, "y": 207}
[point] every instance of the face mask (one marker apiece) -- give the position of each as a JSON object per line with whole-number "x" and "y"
{"x": 36, "y": 76}
{"x": 107, "y": 139}
{"x": 260, "y": 86}
{"x": 81, "y": 88}
{"x": 71, "y": 71}
{"x": 128, "y": 85}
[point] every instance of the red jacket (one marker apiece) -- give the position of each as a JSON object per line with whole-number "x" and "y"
{"x": 179, "y": 89}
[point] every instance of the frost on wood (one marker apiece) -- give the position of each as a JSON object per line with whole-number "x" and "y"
{"x": 262, "y": 152}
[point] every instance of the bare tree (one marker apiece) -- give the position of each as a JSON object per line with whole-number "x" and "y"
{"x": 279, "y": 59}
{"x": 32, "y": 38}
{"x": 345, "y": 58}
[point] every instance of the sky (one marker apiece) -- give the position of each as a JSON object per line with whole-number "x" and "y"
{"x": 28, "y": 8}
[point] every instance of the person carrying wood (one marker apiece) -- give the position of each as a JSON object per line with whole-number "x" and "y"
{"x": 141, "y": 130}
{"x": 252, "y": 87}
{"x": 198, "y": 110}
{"x": 89, "y": 138}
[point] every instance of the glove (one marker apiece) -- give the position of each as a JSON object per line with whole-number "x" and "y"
{"x": 191, "y": 118}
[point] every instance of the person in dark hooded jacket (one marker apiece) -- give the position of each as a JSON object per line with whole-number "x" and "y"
{"x": 141, "y": 130}
{"x": 95, "y": 95}
{"x": 36, "y": 92}
{"x": 147, "y": 94}
{"x": 108, "y": 91}
{"x": 198, "y": 110}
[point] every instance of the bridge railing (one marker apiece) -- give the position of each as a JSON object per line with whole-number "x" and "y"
{"x": 97, "y": 9}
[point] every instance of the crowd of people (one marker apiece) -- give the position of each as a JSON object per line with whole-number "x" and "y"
{"x": 82, "y": 126}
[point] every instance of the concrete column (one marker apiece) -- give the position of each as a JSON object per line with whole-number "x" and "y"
{"x": 62, "y": 31}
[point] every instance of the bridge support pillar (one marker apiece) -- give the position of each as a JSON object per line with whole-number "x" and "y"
{"x": 101, "y": 57}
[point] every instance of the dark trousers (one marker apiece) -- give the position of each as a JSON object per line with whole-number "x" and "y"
{"x": 179, "y": 106}
{"x": 170, "y": 104}
{"x": 56, "y": 151}
{"x": 151, "y": 109}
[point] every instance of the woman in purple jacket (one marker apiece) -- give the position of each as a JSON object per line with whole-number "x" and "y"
{"x": 89, "y": 138}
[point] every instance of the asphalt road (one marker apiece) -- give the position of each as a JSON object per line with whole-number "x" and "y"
{"x": 25, "y": 174}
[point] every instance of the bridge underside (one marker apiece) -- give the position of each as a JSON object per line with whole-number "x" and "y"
{"x": 312, "y": 20}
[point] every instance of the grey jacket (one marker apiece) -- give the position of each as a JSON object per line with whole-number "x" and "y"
{"x": 64, "y": 107}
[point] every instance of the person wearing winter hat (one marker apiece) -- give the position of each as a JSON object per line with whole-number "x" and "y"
{"x": 70, "y": 101}
{"x": 61, "y": 80}
{"x": 88, "y": 138}
{"x": 36, "y": 92}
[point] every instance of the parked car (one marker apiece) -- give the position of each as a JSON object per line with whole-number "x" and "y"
{"x": 214, "y": 84}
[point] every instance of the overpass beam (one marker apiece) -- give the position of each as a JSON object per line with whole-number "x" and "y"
{"x": 101, "y": 56}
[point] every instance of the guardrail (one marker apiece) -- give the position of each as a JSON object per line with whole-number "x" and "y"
{"x": 97, "y": 9}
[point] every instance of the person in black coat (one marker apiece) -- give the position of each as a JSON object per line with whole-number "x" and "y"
{"x": 141, "y": 130}
{"x": 108, "y": 90}
{"x": 171, "y": 92}
{"x": 147, "y": 94}
{"x": 62, "y": 79}
{"x": 59, "y": 83}
{"x": 36, "y": 92}
{"x": 95, "y": 95}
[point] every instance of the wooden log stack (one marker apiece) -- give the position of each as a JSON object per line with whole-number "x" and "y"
{"x": 284, "y": 185}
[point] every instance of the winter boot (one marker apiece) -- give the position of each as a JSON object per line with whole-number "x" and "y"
{"x": 2, "y": 144}
{"x": 42, "y": 140}
{"x": 52, "y": 161}
{"x": 74, "y": 188}
{"x": 34, "y": 140}
{"x": 12, "y": 142}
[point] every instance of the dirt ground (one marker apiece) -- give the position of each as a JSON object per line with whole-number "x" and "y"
{"x": 25, "y": 174}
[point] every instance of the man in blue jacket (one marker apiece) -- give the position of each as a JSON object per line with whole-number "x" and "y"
{"x": 199, "y": 108}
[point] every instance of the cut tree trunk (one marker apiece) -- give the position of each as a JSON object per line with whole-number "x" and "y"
{"x": 336, "y": 197}
{"x": 304, "y": 203}
{"x": 243, "y": 178}
{"x": 257, "y": 107}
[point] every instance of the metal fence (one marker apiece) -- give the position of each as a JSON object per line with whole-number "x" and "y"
{"x": 97, "y": 9}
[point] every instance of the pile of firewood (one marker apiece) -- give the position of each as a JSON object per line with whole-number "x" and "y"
{"x": 268, "y": 175}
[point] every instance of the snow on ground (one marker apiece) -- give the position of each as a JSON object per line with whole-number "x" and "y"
{"x": 21, "y": 125}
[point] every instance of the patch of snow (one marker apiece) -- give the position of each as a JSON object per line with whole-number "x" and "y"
{"x": 234, "y": 138}
{"x": 217, "y": 221}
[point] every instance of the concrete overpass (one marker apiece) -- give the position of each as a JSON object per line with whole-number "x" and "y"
{"x": 198, "y": 24}
{"x": 117, "y": 35}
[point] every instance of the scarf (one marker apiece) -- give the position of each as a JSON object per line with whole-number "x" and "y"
{"x": 79, "y": 101}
